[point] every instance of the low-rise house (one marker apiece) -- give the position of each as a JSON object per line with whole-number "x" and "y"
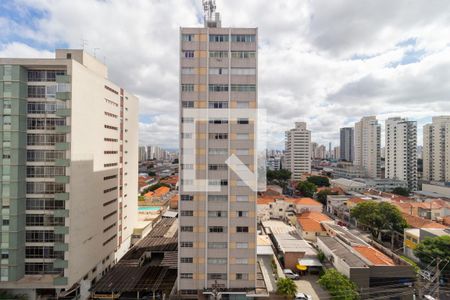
{"x": 418, "y": 222}
{"x": 310, "y": 225}
{"x": 413, "y": 236}
{"x": 283, "y": 208}
{"x": 364, "y": 264}
{"x": 348, "y": 185}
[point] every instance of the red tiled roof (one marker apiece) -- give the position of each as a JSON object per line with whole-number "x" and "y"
{"x": 161, "y": 191}
{"x": 310, "y": 221}
{"x": 303, "y": 201}
{"x": 356, "y": 200}
{"x": 417, "y": 222}
{"x": 374, "y": 256}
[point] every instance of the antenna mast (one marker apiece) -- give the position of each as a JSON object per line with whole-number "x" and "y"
{"x": 211, "y": 18}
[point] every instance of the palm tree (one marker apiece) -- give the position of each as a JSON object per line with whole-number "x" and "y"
{"x": 286, "y": 287}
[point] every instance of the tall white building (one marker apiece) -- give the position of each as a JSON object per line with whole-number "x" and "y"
{"x": 69, "y": 173}
{"x": 436, "y": 150}
{"x": 298, "y": 150}
{"x": 367, "y": 146}
{"x": 401, "y": 151}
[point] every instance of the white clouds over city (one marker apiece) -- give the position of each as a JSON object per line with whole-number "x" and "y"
{"x": 325, "y": 62}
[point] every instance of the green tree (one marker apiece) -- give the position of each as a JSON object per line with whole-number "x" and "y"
{"x": 286, "y": 287}
{"x": 319, "y": 180}
{"x": 151, "y": 173}
{"x": 323, "y": 195}
{"x": 306, "y": 189}
{"x": 379, "y": 217}
{"x": 433, "y": 247}
{"x": 339, "y": 286}
{"x": 401, "y": 191}
{"x": 279, "y": 177}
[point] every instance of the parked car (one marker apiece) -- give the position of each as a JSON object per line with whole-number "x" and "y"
{"x": 290, "y": 274}
{"x": 302, "y": 296}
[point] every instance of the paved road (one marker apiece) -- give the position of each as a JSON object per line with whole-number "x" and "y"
{"x": 308, "y": 285}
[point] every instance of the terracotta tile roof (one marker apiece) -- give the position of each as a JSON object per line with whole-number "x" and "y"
{"x": 356, "y": 200}
{"x": 335, "y": 190}
{"x": 174, "y": 201}
{"x": 374, "y": 256}
{"x": 303, "y": 201}
{"x": 161, "y": 191}
{"x": 149, "y": 194}
{"x": 446, "y": 220}
{"x": 310, "y": 221}
{"x": 267, "y": 199}
{"x": 417, "y": 222}
{"x": 172, "y": 180}
{"x": 404, "y": 207}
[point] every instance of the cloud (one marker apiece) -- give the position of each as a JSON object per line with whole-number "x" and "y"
{"x": 326, "y": 63}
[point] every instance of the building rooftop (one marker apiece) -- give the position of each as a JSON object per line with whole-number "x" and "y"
{"x": 374, "y": 256}
{"x": 341, "y": 251}
{"x": 310, "y": 221}
{"x": 417, "y": 222}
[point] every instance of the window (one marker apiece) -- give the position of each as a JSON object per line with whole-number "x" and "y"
{"x": 218, "y": 121}
{"x": 188, "y": 37}
{"x": 218, "y": 151}
{"x": 242, "y": 151}
{"x": 242, "y": 136}
{"x": 218, "y": 167}
{"x": 186, "y": 275}
{"x": 44, "y": 75}
{"x": 217, "y": 245}
{"x": 217, "y": 104}
{"x": 242, "y": 213}
{"x": 243, "y": 38}
{"x": 187, "y": 260}
{"x": 243, "y": 88}
{"x": 242, "y": 120}
{"x": 241, "y": 276}
{"x": 188, "y": 54}
{"x": 243, "y": 71}
{"x": 242, "y": 104}
{"x": 216, "y": 229}
{"x": 47, "y": 172}
{"x": 36, "y": 91}
{"x": 186, "y": 244}
{"x": 217, "y": 214}
{"x": 243, "y": 54}
{"x": 45, "y": 155}
{"x": 187, "y": 120}
{"x": 241, "y": 261}
{"x": 218, "y": 38}
{"x": 188, "y": 292}
{"x": 186, "y": 197}
{"x": 217, "y": 276}
{"x": 242, "y": 198}
{"x": 218, "y": 136}
{"x": 217, "y": 198}
{"x": 187, "y": 104}
{"x": 218, "y": 71}
{"x": 217, "y": 261}
{"x": 218, "y": 54}
{"x": 186, "y": 135}
{"x": 241, "y": 229}
{"x": 187, "y": 228}
{"x": 188, "y": 71}
{"x": 187, "y": 87}
{"x": 187, "y": 213}
{"x": 218, "y": 87}
{"x": 241, "y": 245}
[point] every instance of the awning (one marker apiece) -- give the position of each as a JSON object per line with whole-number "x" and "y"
{"x": 301, "y": 267}
{"x": 309, "y": 262}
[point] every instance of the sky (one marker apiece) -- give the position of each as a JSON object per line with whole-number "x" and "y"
{"x": 328, "y": 63}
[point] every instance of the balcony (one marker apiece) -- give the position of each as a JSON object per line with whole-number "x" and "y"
{"x": 62, "y": 162}
{"x": 63, "y": 112}
{"x": 62, "y": 146}
{"x": 62, "y": 129}
{"x": 62, "y": 196}
{"x": 61, "y": 247}
{"x": 64, "y": 96}
{"x": 63, "y": 78}
{"x": 63, "y": 213}
{"x": 62, "y": 179}
{"x": 61, "y": 264}
{"x": 60, "y": 281}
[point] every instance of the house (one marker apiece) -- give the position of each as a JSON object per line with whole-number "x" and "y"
{"x": 348, "y": 185}
{"x": 283, "y": 208}
{"x": 413, "y": 236}
{"x": 310, "y": 225}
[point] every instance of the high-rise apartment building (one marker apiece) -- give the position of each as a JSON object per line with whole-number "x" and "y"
{"x": 436, "y": 150}
{"x": 367, "y": 146}
{"x": 217, "y": 233}
{"x": 401, "y": 151}
{"x": 347, "y": 144}
{"x": 142, "y": 153}
{"x": 68, "y": 172}
{"x": 298, "y": 150}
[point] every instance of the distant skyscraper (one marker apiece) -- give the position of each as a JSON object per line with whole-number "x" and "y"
{"x": 401, "y": 151}
{"x": 314, "y": 146}
{"x": 436, "y": 150}
{"x": 142, "y": 153}
{"x": 367, "y": 146}
{"x": 217, "y": 236}
{"x": 69, "y": 142}
{"x": 347, "y": 145}
{"x": 298, "y": 150}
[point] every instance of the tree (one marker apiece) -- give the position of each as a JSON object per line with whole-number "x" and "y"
{"x": 286, "y": 287}
{"x": 433, "y": 247}
{"x": 339, "y": 286}
{"x": 379, "y": 217}
{"x": 319, "y": 180}
{"x": 401, "y": 191}
{"x": 306, "y": 189}
{"x": 323, "y": 195}
{"x": 279, "y": 177}
{"x": 151, "y": 173}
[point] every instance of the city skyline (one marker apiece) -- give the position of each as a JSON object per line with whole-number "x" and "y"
{"x": 372, "y": 76}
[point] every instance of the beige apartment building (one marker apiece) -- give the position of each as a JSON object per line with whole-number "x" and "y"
{"x": 436, "y": 150}
{"x": 217, "y": 238}
{"x": 401, "y": 151}
{"x": 298, "y": 150}
{"x": 367, "y": 146}
{"x": 69, "y": 173}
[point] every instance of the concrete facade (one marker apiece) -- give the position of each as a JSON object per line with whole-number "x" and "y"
{"x": 73, "y": 207}
{"x": 367, "y": 146}
{"x": 347, "y": 145}
{"x": 298, "y": 150}
{"x": 436, "y": 150}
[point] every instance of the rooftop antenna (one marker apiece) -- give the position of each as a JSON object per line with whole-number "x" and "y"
{"x": 95, "y": 52}
{"x": 84, "y": 43}
{"x": 209, "y": 8}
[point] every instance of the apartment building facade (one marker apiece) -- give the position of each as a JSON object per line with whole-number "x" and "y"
{"x": 69, "y": 173}
{"x": 347, "y": 144}
{"x": 401, "y": 151}
{"x": 436, "y": 150}
{"x": 298, "y": 150}
{"x": 217, "y": 233}
{"x": 367, "y": 136}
